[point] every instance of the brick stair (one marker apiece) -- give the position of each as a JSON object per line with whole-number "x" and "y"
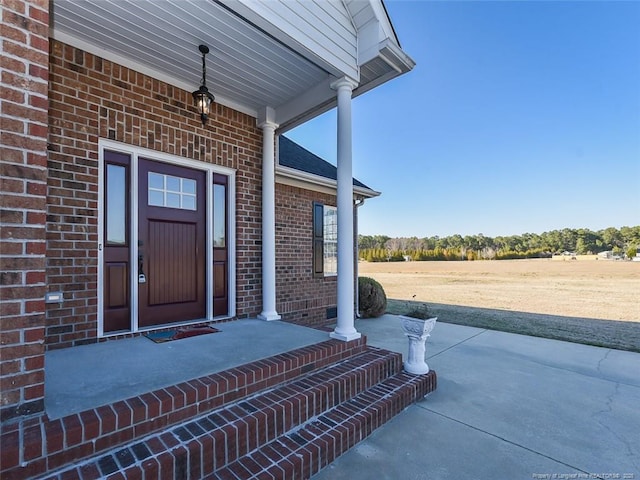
{"x": 304, "y": 451}
{"x": 282, "y": 417}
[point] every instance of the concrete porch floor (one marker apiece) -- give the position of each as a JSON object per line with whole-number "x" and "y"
{"x": 507, "y": 406}
{"x": 89, "y": 376}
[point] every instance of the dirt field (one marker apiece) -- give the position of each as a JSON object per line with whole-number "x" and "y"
{"x": 593, "y": 302}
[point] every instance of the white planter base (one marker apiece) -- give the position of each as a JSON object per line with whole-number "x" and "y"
{"x": 417, "y": 330}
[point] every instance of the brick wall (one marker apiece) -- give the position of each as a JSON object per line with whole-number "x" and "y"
{"x": 301, "y": 298}
{"x": 23, "y": 176}
{"x": 92, "y": 98}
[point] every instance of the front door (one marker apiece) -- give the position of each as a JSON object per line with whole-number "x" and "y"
{"x": 171, "y": 244}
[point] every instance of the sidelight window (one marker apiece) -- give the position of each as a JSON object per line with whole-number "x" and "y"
{"x": 116, "y": 200}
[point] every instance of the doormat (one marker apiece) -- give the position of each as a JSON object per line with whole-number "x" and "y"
{"x": 178, "y": 333}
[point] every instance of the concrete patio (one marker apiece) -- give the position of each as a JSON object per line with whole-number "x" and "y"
{"x": 507, "y": 407}
{"x": 92, "y": 375}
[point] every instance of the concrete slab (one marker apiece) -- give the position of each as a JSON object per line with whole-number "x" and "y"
{"x": 552, "y": 407}
{"x": 457, "y": 452}
{"x": 386, "y": 332}
{"x": 88, "y": 376}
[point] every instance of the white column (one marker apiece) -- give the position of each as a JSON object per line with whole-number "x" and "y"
{"x": 268, "y": 223}
{"x": 345, "y": 329}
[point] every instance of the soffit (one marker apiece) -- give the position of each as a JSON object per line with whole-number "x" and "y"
{"x": 247, "y": 69}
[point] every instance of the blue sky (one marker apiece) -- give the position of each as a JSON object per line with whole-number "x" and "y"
{"x": 518, "y": 117}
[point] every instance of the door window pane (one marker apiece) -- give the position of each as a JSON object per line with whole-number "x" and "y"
{"x": 116, "y": 200}
{"x": 173, "y": 183}
{"x": 156, "y": 198}
{"x": 188, "y": 186}
{"x": 172, "y": 192}
{"x": 156, "y": 181}
{"x": 188, "y": 203}
{"x": 173, "y": 200}
{"x": 219, "y": 215}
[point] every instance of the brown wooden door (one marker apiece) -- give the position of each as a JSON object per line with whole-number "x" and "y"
{"x": 171, "y": 244}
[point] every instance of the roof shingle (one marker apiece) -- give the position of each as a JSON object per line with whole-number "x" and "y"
{"x": 294, "y": 156}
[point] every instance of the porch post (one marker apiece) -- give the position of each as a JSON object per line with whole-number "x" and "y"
{"x": 345, "y": 329}
{"x": 268, "y": 218}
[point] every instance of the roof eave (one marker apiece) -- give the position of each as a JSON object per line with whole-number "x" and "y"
{"x": 297, "y": 178}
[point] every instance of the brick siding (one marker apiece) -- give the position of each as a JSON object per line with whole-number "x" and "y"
{"x": 301, "y": 298}
{"x": 57, "y": 101}
{"x": 23, "y": 175}
{"x": 92, "y": 98}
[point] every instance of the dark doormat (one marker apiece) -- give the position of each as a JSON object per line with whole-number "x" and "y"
{"x": 178, "y": 333}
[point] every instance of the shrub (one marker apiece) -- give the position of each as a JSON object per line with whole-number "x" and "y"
{"x": 371, "y": 296}
{"x": 420, "y": 311}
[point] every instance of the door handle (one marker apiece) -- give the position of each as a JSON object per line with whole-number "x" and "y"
{"x": 142, "y": 278}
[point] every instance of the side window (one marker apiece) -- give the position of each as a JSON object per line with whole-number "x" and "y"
{"x": 325, "y": 240}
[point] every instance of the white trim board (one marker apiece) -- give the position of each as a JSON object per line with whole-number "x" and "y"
{"x": 210, "y": 170}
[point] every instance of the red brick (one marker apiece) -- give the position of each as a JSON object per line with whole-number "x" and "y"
{"x": 107, "y": 419}
{"x": 38, "y": 43}
{"x": 118, "y": 438}
{"x": 133, "y": 473}
{"x": 34, "y": 392}
{"x": 72, "y": 430}
{"x": 33, "y": 442}
{"x": 90, "y": 425}
{"x": 138, "y": 410}
{"x": 40, "y": 14}
{"x": 10, "y": 449}
{"x": 54, "y": 434}
{"x": 69, "y": 455}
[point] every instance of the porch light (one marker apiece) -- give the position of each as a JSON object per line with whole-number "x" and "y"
{"x": 202, "y": 98}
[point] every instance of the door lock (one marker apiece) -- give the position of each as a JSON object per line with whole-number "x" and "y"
{"x": 142, "y": 278}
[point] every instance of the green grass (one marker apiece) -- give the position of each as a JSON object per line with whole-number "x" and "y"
{"x": 601, "y": 333}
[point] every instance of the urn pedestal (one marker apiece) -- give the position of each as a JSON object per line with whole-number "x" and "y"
{"x": 417, "y": 330}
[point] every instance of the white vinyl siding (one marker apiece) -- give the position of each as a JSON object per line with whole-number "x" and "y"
{"x": 323, "y": 29}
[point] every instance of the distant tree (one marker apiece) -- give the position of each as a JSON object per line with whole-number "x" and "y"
{"x": 587, "y": 240}
{"x": 456, "y": 241}
{"x": 611, "y": 238}
{"x": 630, "y": 235}
{"x": 488, "y": 253}
{"x": 569, "y": 239}
{"x": 371, "y": 241}
{"x": 475, "y": 247}
{"x": 581, "y": 247}
{"x": 632, "y": 251}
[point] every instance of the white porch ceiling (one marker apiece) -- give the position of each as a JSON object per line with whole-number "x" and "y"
{"x": 248, "y": 69}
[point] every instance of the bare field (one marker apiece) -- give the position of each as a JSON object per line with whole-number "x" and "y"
{"x": 593, "y": 302}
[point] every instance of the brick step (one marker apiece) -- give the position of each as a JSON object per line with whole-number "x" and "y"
{"x": 31, "y": 447}
{"x": 200, "y": 447}
{"x": 303, "y": 452}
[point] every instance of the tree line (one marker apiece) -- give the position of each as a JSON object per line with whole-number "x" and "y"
{"x": 581, "y": 241}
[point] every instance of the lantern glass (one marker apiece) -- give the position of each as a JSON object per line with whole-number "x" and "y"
{"x": 201, "y": 97}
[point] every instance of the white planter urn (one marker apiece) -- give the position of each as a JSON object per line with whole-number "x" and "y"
{"x": 417, "y": 330}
